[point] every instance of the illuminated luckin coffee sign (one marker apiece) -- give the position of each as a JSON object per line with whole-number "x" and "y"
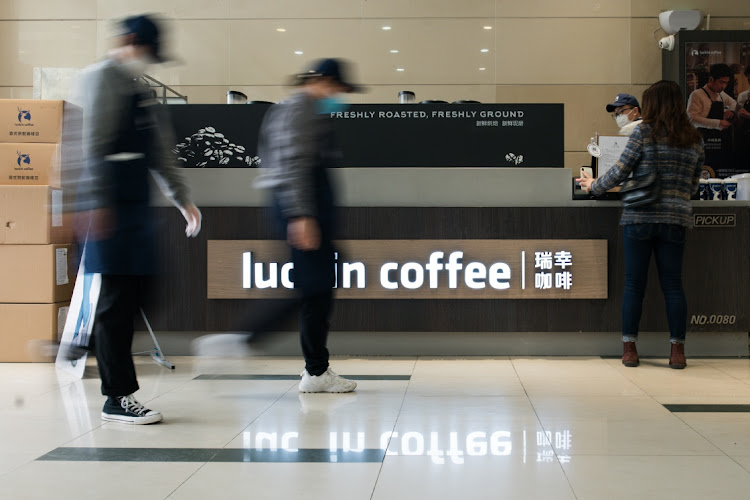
{"x": 420, "y": 269}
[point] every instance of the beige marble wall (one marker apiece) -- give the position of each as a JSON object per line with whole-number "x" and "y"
{"x": 579, "y": 52}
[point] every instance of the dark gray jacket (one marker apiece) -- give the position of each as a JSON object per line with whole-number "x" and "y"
{"x": 296, "y": 146}
{"x": 124, "y": 141}
{"x": 105, "y": 92}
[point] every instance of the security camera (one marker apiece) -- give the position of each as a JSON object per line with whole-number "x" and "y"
{"x": 672, "y": 21}
{"x": 667, "y": 43}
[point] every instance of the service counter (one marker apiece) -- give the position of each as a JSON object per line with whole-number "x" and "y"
{"x": 461, "y": 206}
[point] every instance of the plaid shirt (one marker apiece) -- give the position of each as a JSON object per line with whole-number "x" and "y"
{"x": 679, "y": 171}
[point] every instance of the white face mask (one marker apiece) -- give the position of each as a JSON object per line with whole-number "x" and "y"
{"x": 622, "y": 119}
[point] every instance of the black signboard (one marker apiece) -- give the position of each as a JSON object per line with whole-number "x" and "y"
{"x": 387, "y": 135}
{"x": 217, "y": 135}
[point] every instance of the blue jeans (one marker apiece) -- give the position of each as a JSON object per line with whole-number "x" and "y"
{"x": 667, "y": 243}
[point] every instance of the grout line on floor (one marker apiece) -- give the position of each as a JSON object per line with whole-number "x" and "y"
{"x": 393, "y": 429}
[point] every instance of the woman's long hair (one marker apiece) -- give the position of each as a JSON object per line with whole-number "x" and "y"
{"x": 664, "y": 109}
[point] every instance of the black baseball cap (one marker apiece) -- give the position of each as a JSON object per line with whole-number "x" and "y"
{"x": 146, "y": 31}
{"x": 337, "y": 69}
{"x": 623, "y": 100}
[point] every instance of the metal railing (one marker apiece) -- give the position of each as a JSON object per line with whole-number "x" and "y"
{"x": 176, "y": 98}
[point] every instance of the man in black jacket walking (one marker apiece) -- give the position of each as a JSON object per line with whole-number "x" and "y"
{"x": 124, "y": 142}
{"x": 297, "y": 147}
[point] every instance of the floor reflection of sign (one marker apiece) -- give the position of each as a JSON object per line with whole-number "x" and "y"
{"x": 611, "y": 149}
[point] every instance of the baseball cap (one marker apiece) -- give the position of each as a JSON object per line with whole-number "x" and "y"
{"x": 146, "y": 31}
{"x": 623, "y": 100}
{"x": 337, "y": 69}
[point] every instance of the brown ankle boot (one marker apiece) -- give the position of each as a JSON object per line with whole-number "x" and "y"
{"x": 677, "y": 357}
{"x": 629, "y": 354}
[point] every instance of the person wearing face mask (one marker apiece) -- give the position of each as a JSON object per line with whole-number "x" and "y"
{"x": 124, "y": 141}
{"x": 627, "y": 113}
{"x": 297, "y": 147}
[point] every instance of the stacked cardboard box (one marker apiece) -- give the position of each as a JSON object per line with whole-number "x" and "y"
{"x": 37, "y": 257}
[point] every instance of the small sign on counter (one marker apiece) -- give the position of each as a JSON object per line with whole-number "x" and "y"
{"x": 611, "y": 148}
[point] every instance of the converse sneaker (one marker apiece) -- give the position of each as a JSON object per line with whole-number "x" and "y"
{"x": 326, "y": 382}
{"x": 223, "y": 344}
{"x": 126, "y": 410}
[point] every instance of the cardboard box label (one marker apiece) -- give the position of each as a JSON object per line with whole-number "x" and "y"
{"x": 56, "y": 208}
{"x": 62, "y": 317}
{"x": 30, "y": 164}
{"x": 61, "y": 266}
{"x": 30, "y": 120}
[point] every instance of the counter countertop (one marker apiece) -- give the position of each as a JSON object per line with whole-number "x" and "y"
{"x": 412, "y": 187}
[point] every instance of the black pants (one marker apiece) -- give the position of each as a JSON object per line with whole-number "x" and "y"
{"x": 120, "y": 298}
{"x": 314, "y": 277}
{"x": 315, "y": 312}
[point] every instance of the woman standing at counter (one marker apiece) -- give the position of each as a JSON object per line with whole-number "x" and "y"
{"x": 669, "y": 145}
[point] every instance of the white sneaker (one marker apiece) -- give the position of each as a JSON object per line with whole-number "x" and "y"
{"x": 222, "y": 344}
{"x": 326, "y": 382}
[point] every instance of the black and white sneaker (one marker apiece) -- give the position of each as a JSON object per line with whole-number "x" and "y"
{"x": 126, "y": 410}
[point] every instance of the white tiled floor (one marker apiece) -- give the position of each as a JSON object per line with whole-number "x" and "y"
{"x": 479, "y": 428}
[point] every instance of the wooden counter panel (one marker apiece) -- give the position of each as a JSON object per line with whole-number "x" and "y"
{"x": 717, "y": 268}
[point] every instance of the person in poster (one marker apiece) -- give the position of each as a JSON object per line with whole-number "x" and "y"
{"x": 712, "y": 110}
{"x": 742, "y": 132}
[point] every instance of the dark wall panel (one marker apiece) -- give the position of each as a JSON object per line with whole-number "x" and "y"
{"x": 717, "y": 271}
